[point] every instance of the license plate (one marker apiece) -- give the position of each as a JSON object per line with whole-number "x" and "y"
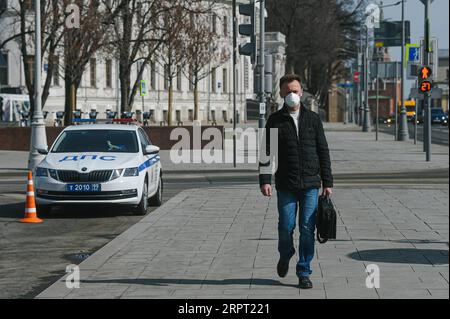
{"x": 83, "y": 187}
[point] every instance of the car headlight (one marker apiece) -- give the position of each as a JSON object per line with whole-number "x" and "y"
{"x": 132, "y": 171}
{"x": 116, "y": 174}
{"x": 53, "y": 173}
{"x": 389, "y": 120}
{"x": 41, "y": 172}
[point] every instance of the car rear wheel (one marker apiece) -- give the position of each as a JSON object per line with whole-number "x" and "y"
{"x": 156, "y": 199}
{"x": 141, "y": 209}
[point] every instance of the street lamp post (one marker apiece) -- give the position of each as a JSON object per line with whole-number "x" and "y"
{"x": 38, "y": 135}
{"x": 366, "y": 119}
{"x": 403, "y": 134}
{"x": 262, "y": 47}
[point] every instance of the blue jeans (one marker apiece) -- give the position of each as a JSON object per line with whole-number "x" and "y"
{"x": 287, "y": 210}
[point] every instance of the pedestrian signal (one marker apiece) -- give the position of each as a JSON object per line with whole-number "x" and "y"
{"x": 425, "y": 86}
{"x": 424, "y": 79}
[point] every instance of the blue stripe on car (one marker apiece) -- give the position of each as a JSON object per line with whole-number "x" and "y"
{"x": 148, "y": 163}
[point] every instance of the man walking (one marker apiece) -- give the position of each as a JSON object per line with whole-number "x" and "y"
{"x": 303, "y": 167}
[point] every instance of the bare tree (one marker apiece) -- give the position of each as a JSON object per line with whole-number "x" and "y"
{"x": 81, "y": 44}
{"x": 320, "y": 35}
{"x": 52, "y": 19}
{"x": 136, "y": 35}
{"x": 200, "y": 50}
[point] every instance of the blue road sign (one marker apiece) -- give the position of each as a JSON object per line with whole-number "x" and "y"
{"x": 414, "y": 54}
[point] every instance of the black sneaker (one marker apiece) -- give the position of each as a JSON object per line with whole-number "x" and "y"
{"x": 304, "y": 283}
{"x": 282, "y": 268}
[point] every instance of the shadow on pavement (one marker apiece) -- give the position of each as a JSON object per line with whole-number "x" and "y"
{"x": 165, "y": 282}
{"x": 403, "y": 256}
{"x": 17, "y": 211}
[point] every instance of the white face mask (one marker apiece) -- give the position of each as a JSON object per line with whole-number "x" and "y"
{"x": 292, "y": 100}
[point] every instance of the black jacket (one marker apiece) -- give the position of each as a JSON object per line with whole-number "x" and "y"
{"x": 303, "y": 161}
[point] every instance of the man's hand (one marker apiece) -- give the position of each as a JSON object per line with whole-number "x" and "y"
{"x": 327, "y": 191}
{"x": 266, "y": 190}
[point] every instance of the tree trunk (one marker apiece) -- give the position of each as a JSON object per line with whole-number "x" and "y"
{"x": 70, "y": 101}
{"x": 196, "y": 106}
{"x": 169, "y": 107}
{"x": 124, "y": 86}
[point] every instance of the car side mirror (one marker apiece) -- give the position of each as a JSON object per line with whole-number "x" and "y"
{"x": 42, "y": 151}
{"x": 151, "y": 149}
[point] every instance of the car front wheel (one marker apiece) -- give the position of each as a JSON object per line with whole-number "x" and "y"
{"x": 141, "y": 209}
{"x": 156, "y": 199}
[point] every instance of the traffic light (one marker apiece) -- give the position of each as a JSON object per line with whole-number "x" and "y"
{"x": 248, "y": 48}
{"x": 424, "y": 79}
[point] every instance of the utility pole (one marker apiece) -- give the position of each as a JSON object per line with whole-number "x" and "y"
{"x": 262, "y": 98}
{"x": 427, "y": 97}
{"x": 366, "y": 119}
{"x": 396, "y": 102}
{"x": 38, "y": 135}
{"x": 234, "y": 81}
{"x": 377, "y": 102}
{"x": 362, "y": 81}
{"x": 403, "y": 134}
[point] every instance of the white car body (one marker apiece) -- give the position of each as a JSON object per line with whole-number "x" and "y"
{"x": 90, "y": 168}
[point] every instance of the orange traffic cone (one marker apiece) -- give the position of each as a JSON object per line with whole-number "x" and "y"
{"x": 30, "y": 206}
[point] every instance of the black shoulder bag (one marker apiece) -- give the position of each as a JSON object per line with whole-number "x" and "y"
{"x": 326, "y": 220}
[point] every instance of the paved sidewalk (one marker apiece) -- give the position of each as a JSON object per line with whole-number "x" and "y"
{"x": 222, "y": 243}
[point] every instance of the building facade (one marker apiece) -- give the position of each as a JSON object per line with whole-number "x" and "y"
{"x": 99, "y": 88}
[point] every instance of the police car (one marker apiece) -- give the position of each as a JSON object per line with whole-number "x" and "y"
{"x": 100, "y": 164}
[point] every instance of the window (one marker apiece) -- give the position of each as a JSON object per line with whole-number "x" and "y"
{"x": 3, "y": 68}
{"x": 166, "y": 77}
{"x": 116, "y": 141}
{"x": 191, "y": 78}
{"x": 93, "y": 72}
{"x": 3, "y": 4}
{"x": 29, "y": 61}
{"x": 55, "y": 62}
{"x": 225, "y": 81}
{"x": 214, "y": 23}
{"x": 225, "y": 26}
{"x": 213, "y": 80}
{"x": 108, "y": 73}
{"x": 29, "y": 4}
{"x": 179, "y": 78}
{"x": 191, "y": 18}
{"x": 190, "y": 114}
{"x": 139, "y": 65}
{"x": 153, "y": 75}
{"x": 143, "y": 138}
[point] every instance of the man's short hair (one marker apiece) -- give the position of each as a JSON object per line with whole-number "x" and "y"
{"x": 288, "y": 78}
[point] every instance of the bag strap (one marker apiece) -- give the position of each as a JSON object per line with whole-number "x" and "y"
{"x": 321, "y": 240}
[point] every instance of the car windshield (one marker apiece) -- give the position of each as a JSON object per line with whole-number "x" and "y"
{"x": 437, "y": 112}
{"x": 112, "y": 141}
